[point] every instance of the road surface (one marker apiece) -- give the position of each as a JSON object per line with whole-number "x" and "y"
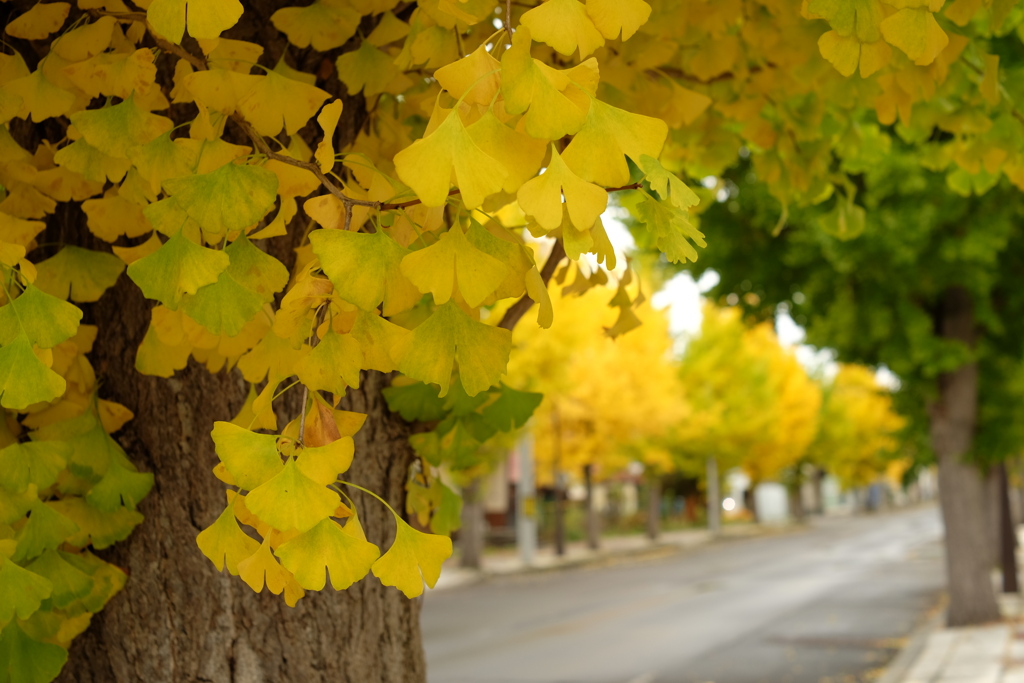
{"x": 827, "y": 605}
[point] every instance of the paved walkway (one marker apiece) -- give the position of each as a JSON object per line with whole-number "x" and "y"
{"x": 507, "y": 561}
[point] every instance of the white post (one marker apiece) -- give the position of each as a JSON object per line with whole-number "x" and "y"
{"x": 526, "y": 501}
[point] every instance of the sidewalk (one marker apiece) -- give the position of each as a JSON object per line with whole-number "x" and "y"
{"x": 990, "y": 653}
{"x": 506, "y": 562}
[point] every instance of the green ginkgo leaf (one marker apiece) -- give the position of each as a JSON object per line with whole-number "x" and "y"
{"x": 327, "y": 548}
{"x": 121, "y": 485}
{"x": 668, "y": 186}
{"x": 27, "y": 660}
{"x": 34, "y": 463}
{"x": 449, "y": 335}
{"x": 95, "y": 527}
{"x": 671, "y": 229}
{"x": 177, "y": 268}
{"x": 233, "y": 197}
{"x": 47, "y": 320}
{"x": 364, "y": 269}
{"x": 21, "y": 591}
{"x": 24, "y": 379}
{"x": 250, "y": 281}
{"x": 69, "y": 583}
{"x": 291, "y": 500}
{"x": 117, "y": 129}
{"x": 414, "y": 558}
{"x": 45, "y": 528}
{"x": 251, "y": 458}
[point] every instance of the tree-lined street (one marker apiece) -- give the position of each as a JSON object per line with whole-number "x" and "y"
{"x": 832, "y": 601}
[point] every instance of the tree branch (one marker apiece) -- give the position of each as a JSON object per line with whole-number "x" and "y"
{"x": 519, "y": 308}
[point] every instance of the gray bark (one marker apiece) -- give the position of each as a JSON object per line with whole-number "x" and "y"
{"x": 961, "y": 487}
{"x": 471, "y": 535}
{"x": 593, "y": 519}
{"x": 653, "y": 507}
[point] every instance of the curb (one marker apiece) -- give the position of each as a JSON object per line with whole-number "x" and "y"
{"x": 897, "y": 669}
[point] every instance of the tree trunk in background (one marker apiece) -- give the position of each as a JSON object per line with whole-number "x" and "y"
{"x": 474, "y": 526}
{"x": 653, "y": 507}
{"x": 994, "y": 522}
{"x": 177, "y": 618}
{"x": 714, "y": 497}
{"x": 1007, "y": 533}
{"x": 796, "y": 495}
{"x": 559, "y": 513}
{"x": 961, "y": 487}
{"x": 593, "y": 519}
{"x": 817, "y": 479}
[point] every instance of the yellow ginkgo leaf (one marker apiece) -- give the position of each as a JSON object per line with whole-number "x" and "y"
{"x": 609, "y": 135}
{"x": 614, "y": 16}
{"x": 327, "y": 548}
{"x": 39, "y": 22}
{"x": 453, "y": 258}
{"x": 565, "y": 26}
{"x": 275, "y": 101}
{"x": 473, "y": 79}
{"x": 328, "y": 120}
{"x": 323, "y": 464}
{"x": 219, "y": 89}
{"x": 429, "y": 165}
{"x": 40, "y": 97}
{"x": 78, "y": 274}
{"x": 251, "y": 458}
{"x": 291, "y": 500}
{"x": 325, "y": 25}
{"x": 520, "y": 154}
{"x": 112, "y": 216}
{"x": 116, "y": 74}
{"x": 162, "y": 158}
{"x": 538, "y": 291}
{"x": 377, "y": 337}
{"x": 448, "y": 335}
{"x": 261, "y": 568}
{"x": 542, "y": 197}
{"x": 842, "y": 52}
{"x": 916, "y": 32}
{"x": 224, "y": 542}
{"x": 413, "y": 559}
{"x": 333, "y": 365}
{"x": 206, "y": 18}
{"x": 365, "y": 269}
{"x": 554, "y": 106}
{"x": 371, "y": 70}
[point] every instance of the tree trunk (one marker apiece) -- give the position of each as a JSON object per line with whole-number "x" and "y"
{"x": 1007, "y": 533}
{"x": 961, "y": 488}
{"x": 714, "y": 497}
{"x": 559, "y": 513}
{"x": 994, "y": 522}
{"x": 178, "y": 619}
{"x": 653, "y": 507}
{"x": 474, "y": 525}
{"x": 593, "y": 520}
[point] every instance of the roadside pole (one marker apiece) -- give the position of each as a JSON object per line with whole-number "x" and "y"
{"x": 526, "y": 501}
{"x": 714, "y": 497}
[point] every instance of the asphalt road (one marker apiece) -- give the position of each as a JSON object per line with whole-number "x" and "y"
{"x": 827, "y": 605}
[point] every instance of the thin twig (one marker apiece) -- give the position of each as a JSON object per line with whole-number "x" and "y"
{"x": 519, "y": 308}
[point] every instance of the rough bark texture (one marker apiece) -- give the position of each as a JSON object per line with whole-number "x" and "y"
{"x": 961, "y": 486}
{"x": 178, "y": 619}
